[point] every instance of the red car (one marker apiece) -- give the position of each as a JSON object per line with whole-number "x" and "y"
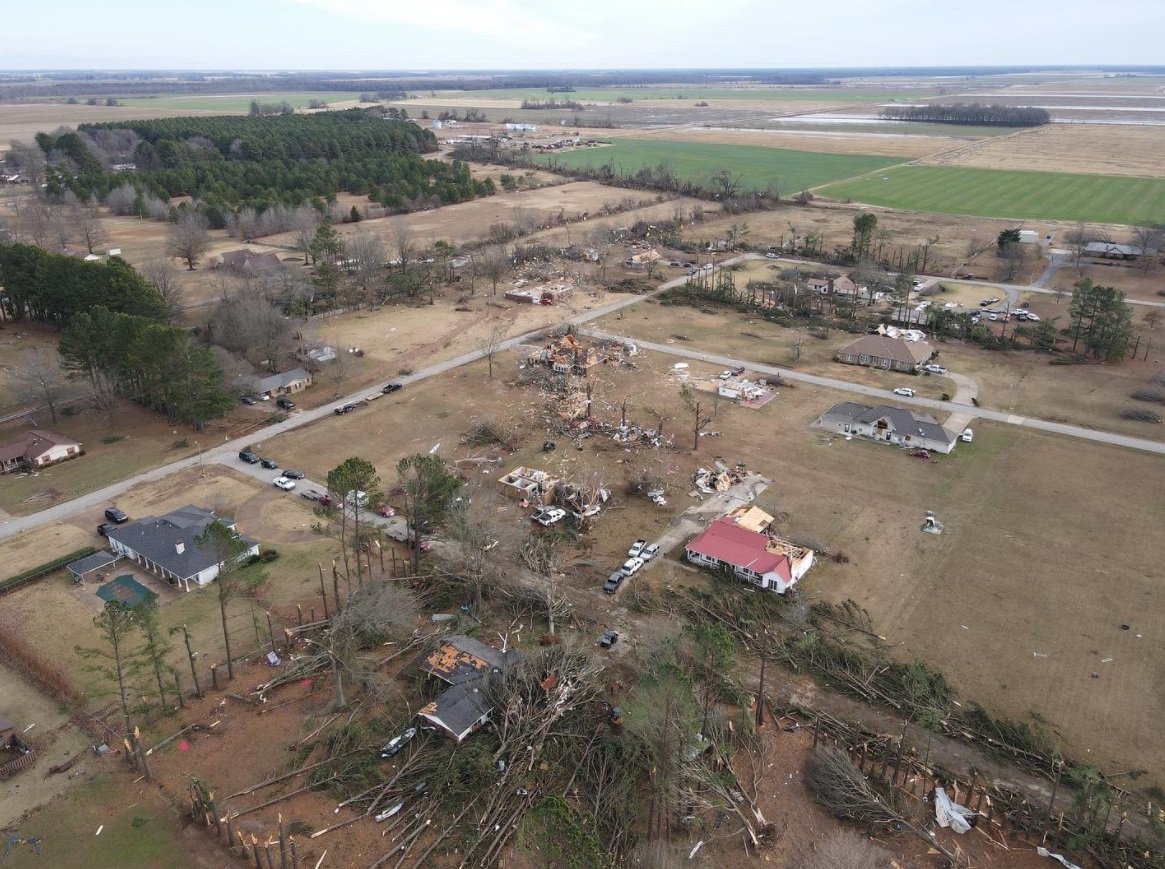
{"x": 385, "y": 511}
{"x": 920, "y": 454}
{"x": 327, "y": 500}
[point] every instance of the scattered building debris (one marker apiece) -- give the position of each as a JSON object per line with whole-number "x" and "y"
{"x": 932, "y": 525}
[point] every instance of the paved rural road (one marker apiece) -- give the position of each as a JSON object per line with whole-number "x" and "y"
{"x": 227, "y": 453}
{"x": 1103, "y": 437}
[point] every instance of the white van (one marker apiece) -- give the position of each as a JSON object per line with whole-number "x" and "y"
{"x": 967, "y": 436}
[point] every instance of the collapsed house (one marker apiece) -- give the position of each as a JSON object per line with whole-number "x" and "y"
{"x": 567, "y": 355}
{"x": 467, "y": 666}
{"x": 717, "y": 480}
{"x": 548, "y": 294}
{"x": 527, "y": 484}
{"x": 733, "y": 542}
{"x": 15, "y": 754}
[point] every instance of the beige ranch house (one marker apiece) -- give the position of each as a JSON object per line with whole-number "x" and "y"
{"x": 882, "y": 351}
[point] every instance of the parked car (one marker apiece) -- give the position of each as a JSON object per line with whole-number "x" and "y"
{"x": 344, "y": 408}
{"x": 385, "y": 511}
{"x": 270, "y": 464}
{"x": 310, "y": 495}
{"x": 920, "y": 454}
{"x": 967, "y": 436}
{"x": 394, "y": 745}
{"x": 904, "y": 390}
{"x": 613, "y": 582}
{"x": 116, "y": 516}
{"x": 104, "y": 528}
{"x": 392, "y": 387}
{"x": 249, "y": 457}
{"x": 631, "y": 566}
{"x": 246, "y": 399}
{"x": 1032, "y": 318}
{"x": 292, "y": 475}
{"x": 934, "y": 369}
{"x": 649, "y": 552}
{"x": 327, "y": 499}
{"x": 608, "y": 639}
{"x": 992, "y": 317}
{"x": 285, "y": 403}
{"x": 771, "y": 255}
{"x": 283, "y": 483}
{"x": 548, "y": 516}
{"x": 636, "y": 548}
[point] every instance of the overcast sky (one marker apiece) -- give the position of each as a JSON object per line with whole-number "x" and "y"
{"x": 558, "y": 34}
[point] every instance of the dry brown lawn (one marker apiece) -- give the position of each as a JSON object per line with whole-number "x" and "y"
{"x": 1090, "y": 149}
{"x": 1129, "y": 277}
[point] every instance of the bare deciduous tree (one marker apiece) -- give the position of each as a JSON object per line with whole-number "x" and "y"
{"x": 189, "y": 238}
{"x": 490, "y": 343}
{"x": 402, "y": 242}
{"x": 701, "y": 415}
{"x": 366, "y": 258}
{"x": 845, "y": 849}
{"x": 493, "y": 265}
{"x": 304, "y": 223}
{"x": 105, "y": 394}
{"x": 161, "y": 275}
{"x": 88, "y": 227}
{"x": 249, "y": 325}
{"x": 41, "y": 379}
{"x": 1149, "y": 237}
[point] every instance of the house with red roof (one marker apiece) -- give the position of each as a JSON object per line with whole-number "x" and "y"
{"x": 763, "y": 559}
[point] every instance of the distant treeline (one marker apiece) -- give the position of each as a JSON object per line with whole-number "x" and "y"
{"x": 569, "y": 105}
{"x": 970, "y": 115}
{"x": 228, "y": 162}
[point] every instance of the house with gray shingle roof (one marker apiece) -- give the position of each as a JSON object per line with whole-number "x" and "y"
{"x": 168, "y": 547}
{"x": 882, "y": 351}
{"x": 283, "y": 383}
{"x": 888, "y": 424}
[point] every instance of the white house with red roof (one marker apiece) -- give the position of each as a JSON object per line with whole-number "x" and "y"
{"x": 762, "y": 559}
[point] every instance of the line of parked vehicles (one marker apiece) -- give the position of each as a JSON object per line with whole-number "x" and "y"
{"x": 638, "y": 555}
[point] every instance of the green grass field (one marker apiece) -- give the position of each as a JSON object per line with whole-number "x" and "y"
{"x": 606, "y": 95}
{"x": 236, "y": 103}
{"x": 998, "y": 193}
{"x": 790, "y": 171}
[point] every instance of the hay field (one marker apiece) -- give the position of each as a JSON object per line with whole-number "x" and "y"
{"x": 23, "y": 121}
{"x": 1002, "y": 193}
{"x": 235, "y": 104}
{"x": 681, "y": 93}
{"x": 757, "y": 167}
{"x": 1097, "y": 149}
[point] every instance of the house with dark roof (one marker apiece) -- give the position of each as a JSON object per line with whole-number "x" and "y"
{"x": 246, "y": 261}
{"x": 1112, "y": 250}
{"x": 168, "y": 547}
{"x": 283, "y": 383}
{"x": 881, "y": 351}
{"x": 38, "y": 448}
{"x": 467, "y": 666}
{"x": 763, "y": 559}
{"x": 888, "y": 424}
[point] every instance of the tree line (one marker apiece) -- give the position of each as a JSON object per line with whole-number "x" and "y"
{"x": 255, "y": 161}
{"x": 54, "y": 288}
{"x": 970, "y": 114}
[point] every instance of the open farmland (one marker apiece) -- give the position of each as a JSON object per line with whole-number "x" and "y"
{"x": 850, "y": 141}
{"x": 233, "y": 104}
{"x": 23, "y": 121}
{"x": 1097, "y": 149}
{"x": 758, "y": 167}
{"x": 685, "y": 93}
{"x": 999, "y": 193}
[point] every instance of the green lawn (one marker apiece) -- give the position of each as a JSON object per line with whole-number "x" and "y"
{"x": 236, "y": 103}
{"x": 791, "y": 171}
{"x": 998, "y": 193}
{"x": 603, "y": 95}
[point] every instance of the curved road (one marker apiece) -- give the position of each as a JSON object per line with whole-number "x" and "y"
{"x": 1075, "y": 431}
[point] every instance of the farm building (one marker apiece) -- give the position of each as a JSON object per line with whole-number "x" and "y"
{"x": 283, "y": 383}
{"x": 168, "y": 546}
{"x": 466, "y": 665}
{"x": 38, "y": 448}
{"x": 889, "y": 425}
{"x": 880, "y": 351}
{"x": 734, "y": 541}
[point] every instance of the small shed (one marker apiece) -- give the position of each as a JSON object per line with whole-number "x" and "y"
{"x": 1028, "y": 236}
{"x": 127, "y": 591}
{"x": 89, "y": 564}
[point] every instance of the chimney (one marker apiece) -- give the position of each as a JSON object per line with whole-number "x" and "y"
{"x": 179, "y": 547}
